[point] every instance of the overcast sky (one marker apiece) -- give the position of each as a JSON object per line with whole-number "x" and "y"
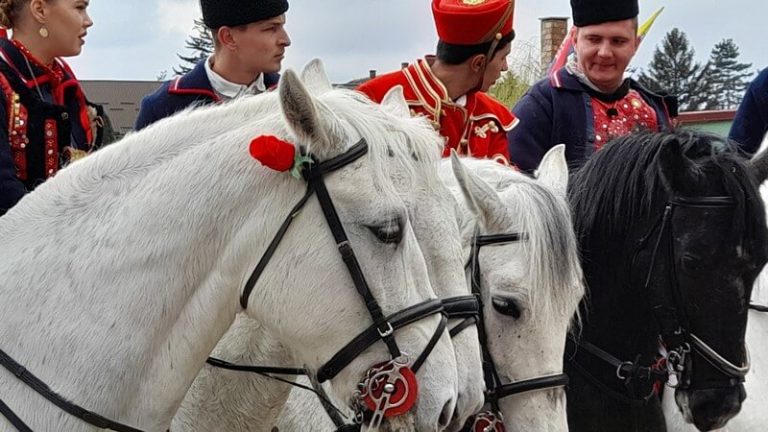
{"x": 138, "y": 39}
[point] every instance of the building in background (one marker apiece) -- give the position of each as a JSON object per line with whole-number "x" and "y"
{"x": 121, "y": 100}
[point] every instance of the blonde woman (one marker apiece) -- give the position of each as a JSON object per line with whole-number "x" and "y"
{"x": 43, "y": 112}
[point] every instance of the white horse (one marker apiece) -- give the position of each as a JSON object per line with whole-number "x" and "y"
{"x": 234, "y": 401}
{"x": 753, "y": 416}
{"x": 120, "y": 275}
{"x": 540, "y": 278}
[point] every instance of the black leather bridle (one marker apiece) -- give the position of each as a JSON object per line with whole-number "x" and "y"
{"x": 383, "y": 327}
{"x": 675, "y": 329}
{"x": 495, "y": 388}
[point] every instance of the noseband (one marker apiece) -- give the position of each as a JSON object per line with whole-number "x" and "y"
{"x": 675, "y": 330}
{"x": 496, "y": 390}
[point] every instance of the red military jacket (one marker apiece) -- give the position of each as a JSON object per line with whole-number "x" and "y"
{"x": 475, "y": 125}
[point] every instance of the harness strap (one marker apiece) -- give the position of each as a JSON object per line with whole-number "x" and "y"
{"x": 431, "y": 345}
{"x": 559, "y": 380}
{"x": 70, "y": 408}
{"x": 8, "y": 413}
{"x": 758, "y": 308}
{"x": 370, "y": 335}
{"x": 223, "y": 364}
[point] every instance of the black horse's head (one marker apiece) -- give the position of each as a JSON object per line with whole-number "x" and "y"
{"x": 674, "y": 235}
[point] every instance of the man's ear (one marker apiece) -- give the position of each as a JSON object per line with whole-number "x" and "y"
{"x": 477, "y": 62}
{"x": 225, "y": 37}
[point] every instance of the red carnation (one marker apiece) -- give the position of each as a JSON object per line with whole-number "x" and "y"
{"x": 273, "y": 152}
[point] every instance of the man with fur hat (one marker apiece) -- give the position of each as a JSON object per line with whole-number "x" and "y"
{"x": 449, "y": 88}
{"x": 590, "y": 100}
{"x": 249, "y": 45}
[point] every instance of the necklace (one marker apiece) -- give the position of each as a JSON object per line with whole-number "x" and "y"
{"x": 55, "y": 76}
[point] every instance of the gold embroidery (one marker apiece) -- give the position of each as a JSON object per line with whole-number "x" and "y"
{"x": 482, "y": 131}
{"x": 473, "y": 2}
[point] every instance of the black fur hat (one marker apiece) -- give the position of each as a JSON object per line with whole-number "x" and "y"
{"x": 231, "y": 13}
{"x": 588, "y": 12}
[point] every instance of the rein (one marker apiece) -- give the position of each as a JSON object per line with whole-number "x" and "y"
{"x": 673, "y": 322}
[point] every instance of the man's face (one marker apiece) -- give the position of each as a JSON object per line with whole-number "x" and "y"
{"x": 497, "y": 65}
{"x": 261, "y": 45}
{"x": 605, "y": 50}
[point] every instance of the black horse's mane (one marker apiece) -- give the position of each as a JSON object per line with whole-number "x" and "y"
{"x": 623, "y": 182}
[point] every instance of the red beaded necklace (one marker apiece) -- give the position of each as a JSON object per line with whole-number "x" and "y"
{"x": 54, "y": 72}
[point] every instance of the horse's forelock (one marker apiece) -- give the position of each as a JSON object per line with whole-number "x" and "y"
{"x": 554, "y": 267}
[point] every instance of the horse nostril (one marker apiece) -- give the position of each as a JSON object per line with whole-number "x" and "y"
{"x": 448, "y": 413}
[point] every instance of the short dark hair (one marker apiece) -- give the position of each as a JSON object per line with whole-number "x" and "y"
{"x": 458, "y": 54}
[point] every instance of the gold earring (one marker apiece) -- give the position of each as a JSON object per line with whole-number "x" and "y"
{"x": 43, "y": 32}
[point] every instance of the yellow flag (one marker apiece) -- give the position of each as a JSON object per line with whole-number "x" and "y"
{"x": 643, "y": 29}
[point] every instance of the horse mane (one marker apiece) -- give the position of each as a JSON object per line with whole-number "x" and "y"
{"x": 623, "y": 183}
{"x": 554, "y": 267}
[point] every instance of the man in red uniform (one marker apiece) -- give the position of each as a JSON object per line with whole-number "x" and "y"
{"x": 449, "y": 87}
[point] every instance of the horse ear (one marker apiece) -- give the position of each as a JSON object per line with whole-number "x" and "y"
{"x": 315, "y": 79}
{"x": 676, "y": 168}
{"x": 394, "y": 102}
{"x": 481, "y": 198}
{"x": 301, "y": 112}
{"x": 759, "y": 166}
{"x": 553, "y": 169}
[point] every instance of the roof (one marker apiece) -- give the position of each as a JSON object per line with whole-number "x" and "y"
{"x": 120, "y": 99}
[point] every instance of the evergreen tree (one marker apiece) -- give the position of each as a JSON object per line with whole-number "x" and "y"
{"x": 729, "y": 77}
{"x": 201, "y": 45}
{"x": 674, "y": 71}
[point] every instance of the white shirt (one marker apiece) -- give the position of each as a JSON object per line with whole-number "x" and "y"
{"x": 227, "y": 90}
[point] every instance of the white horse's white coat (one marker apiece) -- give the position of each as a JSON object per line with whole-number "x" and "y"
{"x": 503, "y": 201}
{"x": 120, "y": 275}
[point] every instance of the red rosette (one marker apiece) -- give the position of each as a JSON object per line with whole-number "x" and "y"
{"x": 273, "y": 152}
{"x": 401, "y": 399}
{"x": 488, "y": 422}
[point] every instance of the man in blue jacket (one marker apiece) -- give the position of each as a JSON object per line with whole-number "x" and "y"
{"x": 751, "y": 122}
{"x": 589, "y": 101}
{"x": 249, "y": 46}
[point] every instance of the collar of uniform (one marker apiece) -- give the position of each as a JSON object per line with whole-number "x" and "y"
{"x": 431, "y": 92}
{"x": 194, "y": 82}
{"x": 229, "y": 90}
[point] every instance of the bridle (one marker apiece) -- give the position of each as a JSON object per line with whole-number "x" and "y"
{"x": 492, "y": 419}
{"x": 676, "y": 333}
{"x": 395, "y": 377}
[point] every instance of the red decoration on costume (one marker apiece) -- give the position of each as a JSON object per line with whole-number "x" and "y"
{"x": 626, "y": 115}
{"x": 273, "y": 152}
{"x": 390, "y": 389}
{"x": 471, "y": 22}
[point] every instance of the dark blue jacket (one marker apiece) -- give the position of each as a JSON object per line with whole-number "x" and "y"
{"x": 751, "y": 122}
{"x": 175, "y": 95}
{"x": 558, "y": 110}
{"x": 47, "y": 131}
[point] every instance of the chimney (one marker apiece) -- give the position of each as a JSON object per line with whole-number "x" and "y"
{"x": 404, "y": 65}
{"x": 372, "y": 73}
{"x": 553, "y": 31}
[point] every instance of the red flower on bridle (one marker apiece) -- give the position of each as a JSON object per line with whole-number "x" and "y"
{"x": 273, "y": 152}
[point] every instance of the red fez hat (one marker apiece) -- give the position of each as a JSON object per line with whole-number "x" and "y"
{"x": 472, "y": 22}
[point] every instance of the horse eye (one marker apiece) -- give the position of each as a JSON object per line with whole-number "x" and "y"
{"x": 506, "y": 307}
{"x": 389, "y": 233}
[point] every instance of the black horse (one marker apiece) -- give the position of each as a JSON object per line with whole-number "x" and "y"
{"x": 673, "y": 234}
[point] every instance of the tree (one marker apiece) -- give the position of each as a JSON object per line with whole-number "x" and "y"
{"x": 673, "y": 70}
{"x": 729, "y": 77}
{"x": 524, "y": 69}
{"x": 509, "y": 89}
{"x": 201, "y": 45}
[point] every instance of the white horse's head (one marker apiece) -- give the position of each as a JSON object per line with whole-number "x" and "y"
{"x": 530, "y": 288}
{"x": 189, "y": 215}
